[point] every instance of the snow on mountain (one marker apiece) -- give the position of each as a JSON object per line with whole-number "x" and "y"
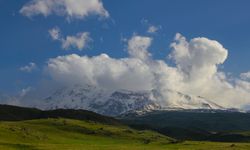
{"x": 75, "y": 97}
{"x": 184, "y": 101}
{"x": 121, "y": 101}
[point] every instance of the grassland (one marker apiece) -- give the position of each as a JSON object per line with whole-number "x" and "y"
{"x": 51, "y": 134}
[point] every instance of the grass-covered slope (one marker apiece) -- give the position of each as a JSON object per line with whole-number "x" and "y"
{"x": 28, "y": 128}
{"x": 220, "y": 126}
{"x": 219, "y": 121}
{"x": 51, "y": 134}
{"x": 69, "y": 134}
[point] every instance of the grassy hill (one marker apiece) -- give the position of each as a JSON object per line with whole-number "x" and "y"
{"x": 219, "y": 121}
{"x": 71, "y": 134}
{"x": 220, "y": 126}
{"x": 28, "y": 128}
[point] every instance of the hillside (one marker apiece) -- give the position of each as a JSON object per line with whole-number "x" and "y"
{"x": 15, "y": 113}
{"x": 181, "y": 125}
{"x": 184, "y": 125}
{"x": 67, "y": 134}
{"x": 28, "y": 128}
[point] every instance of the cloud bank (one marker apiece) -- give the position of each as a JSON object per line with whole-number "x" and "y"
{"x": 71, "y": 9}
{"x": 195, "y": 71}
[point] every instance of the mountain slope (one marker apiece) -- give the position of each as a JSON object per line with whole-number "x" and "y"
{"x": 181, "y": 125}
{"x": 215, "y": 121}
{"x": 67, "y": 134}
{"x": 74, "y": 134}
{"x": 114, "y": 103}
{"x": 192, "y": 125}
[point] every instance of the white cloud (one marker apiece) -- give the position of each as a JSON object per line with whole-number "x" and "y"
{"x": 28, "y": 68}
{"x": 76, "y": 9}
{"x": 153, "y": 29}
{"x": 78, "y": 41}
{"x": 245, "y": 76}
{"x": 198, "y": 61}
{"x": 103, "y": 71}
{"x": 138, "y": 47}
{"x": 200, "y": 56}
{"x": 196, "y": 71}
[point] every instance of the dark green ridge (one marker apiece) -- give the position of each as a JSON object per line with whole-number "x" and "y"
{"x": 15, "y": 113}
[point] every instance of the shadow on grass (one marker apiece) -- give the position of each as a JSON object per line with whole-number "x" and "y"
{"x": 18, "y": 146}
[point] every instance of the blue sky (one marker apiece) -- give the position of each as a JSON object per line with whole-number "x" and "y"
{"x": 25, "y": 40}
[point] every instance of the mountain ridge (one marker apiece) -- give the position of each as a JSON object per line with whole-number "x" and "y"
{"x": 117, "y": 102}
{"x": 17, "y": 113}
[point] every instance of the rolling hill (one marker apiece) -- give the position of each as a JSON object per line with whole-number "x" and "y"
{"x": 193, "y": 125}
{"x": 29, "y": 128}
{"x": 15, "y": 113}
{"x": 68, "y": 134}
{"x": 74, "y": 134}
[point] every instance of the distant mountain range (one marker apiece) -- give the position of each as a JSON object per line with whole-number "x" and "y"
{"x": 120, "y": 102}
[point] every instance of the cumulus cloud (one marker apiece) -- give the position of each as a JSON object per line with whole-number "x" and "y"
{"x": 78, "y": 41}
{"x": 195, "y": 71}
{"x": 103, "y": 71}
{"x": 198, "y": 57}
{"x": 76, "y": 9}
{"x": 138, "y": 47}
{"x": 198, "y": 60}
{"x": 28, "y": 68}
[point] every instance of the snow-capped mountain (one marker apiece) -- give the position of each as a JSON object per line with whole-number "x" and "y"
{"x": 120, "y": 101}
{"x": 123, "y": 101}
{"x": 179, "y": 100}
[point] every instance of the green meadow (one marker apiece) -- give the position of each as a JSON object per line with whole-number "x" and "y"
{"x": 68, "y": 134}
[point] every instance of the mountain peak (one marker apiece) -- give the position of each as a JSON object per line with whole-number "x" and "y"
{"x": 118, "y": 102}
